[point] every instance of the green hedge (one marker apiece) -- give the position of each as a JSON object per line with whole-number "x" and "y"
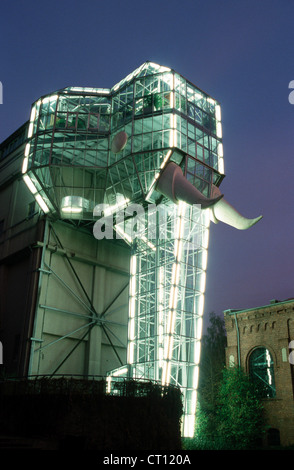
{"x": 143, "y": 416}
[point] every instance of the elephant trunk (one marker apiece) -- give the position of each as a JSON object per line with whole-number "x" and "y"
{"x": 222, "y": 211}
{"x": 173, "y": 184}
{"x": 176, "y": 187}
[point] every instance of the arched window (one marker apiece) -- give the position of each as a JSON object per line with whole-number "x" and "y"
{"x": 261, "y": 369}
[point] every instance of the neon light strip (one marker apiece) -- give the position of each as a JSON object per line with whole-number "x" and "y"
{"x": 218, "y": 112}
{"x": 119, "y": 372}
{"x": 173, "y": 131}
{"x": 130, "y": 352}
{"x": 164, "y": 162}
{"x": 42, "y": 203}
{"x": 25, "y": 165}
{"x": 173, "y": 296}
{"x": 132, "y": 306}
{"x": 221, "y": 167}
{"x": 30, "y": 184}
{"x": 219, "y": 132}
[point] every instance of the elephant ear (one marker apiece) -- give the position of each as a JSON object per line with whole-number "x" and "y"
{"x": 222, "y": 211}
{"x": 119, "y": 142}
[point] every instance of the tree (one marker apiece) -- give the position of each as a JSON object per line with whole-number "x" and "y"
{"x": 239, "y": 410}
{"x": 212, "y": 363}
{"x": 212, "y": 360}
{"x": 229, "y": 411}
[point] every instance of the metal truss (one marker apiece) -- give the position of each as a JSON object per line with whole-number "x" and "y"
{"x": 93, "y": 319}
{"x": 167, "y": 283}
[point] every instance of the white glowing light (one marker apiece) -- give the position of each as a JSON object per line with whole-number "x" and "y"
{"x": 74, "y": 204}
{"x": 133, "y": 285}
{"x": 220, "y": 150}
{"x": 104, "y": 91}
{"x": 108, "y": 380}
{"x": 160, "y": 333}
{"x": 197, "y": 356}
{"x": 207, "y": 218}
{"x": 172, "y": 99}
{"x": 49, "y": 98}
{"x": 30, "y": 184}
{"x": 132, "y": 329}
{"x": 30, "y": 131}
{"x": 221, "y": 168}
{"x": 206, "y": 239}
{"x": 199, "y": 328}
{"x": 219, "y": 131}
{"x": 202, "y": 282}
{"x": 218, "y": 112}
{"x": 171, "y": 317}
{"x": 175, "y": 273}
{"x": 204, "y": 259}
{"x": 130, "y": 352}
{"x": 24, "y": 165}
{"x": 72, "y": 210}
{"x": 166, "y": 372}
{"x": 132, "y": 299}
{"x": 42, "y": 203}
{"x": 194, "y": 398}
{"x": 160, "y": 354}
{"x": 178, "y": 248}
{"x": 119, "y": 372}
{"x": 189, "y": 424}
{"x": 165, "y": 159}
{"x": 158, "y": 174}
{"x": 27, "y": 150}
{"x": 133, "y": 264}
{"x": 201, "y": 305}
{"x": 160, "y": 309}
{"x": 33, "y": 114}
{"x": 173, "y": 131}
{"x": 173, "y": 297}
{"x": 145, "y": 240}
{"x": 132, "y": 304}
{"x": 268, "y": 358}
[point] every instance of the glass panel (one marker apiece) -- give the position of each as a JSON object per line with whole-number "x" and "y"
{"x": 261, "y": 369}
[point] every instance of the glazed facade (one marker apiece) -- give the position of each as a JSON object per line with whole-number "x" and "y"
{"x": 70, "y": 167}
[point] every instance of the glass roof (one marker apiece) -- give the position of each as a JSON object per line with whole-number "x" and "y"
{"x": 148, "y": 68}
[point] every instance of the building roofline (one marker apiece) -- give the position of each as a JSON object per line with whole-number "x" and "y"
{"x": 71, "y": 89}
{"x": 272, "y": 302}
{"x": 14, "y": 134}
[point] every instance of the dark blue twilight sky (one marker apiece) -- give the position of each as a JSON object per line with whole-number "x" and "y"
{"x": 241, "y": 52}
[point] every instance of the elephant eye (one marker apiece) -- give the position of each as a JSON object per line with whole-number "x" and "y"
{"x": 119, "y": 142}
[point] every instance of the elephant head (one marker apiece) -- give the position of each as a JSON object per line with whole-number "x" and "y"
{"x": 153, "y": 134}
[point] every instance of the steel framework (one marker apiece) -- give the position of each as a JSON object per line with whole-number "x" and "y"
{"x": 75, "y": 161}
{"x": 167, "y": 284}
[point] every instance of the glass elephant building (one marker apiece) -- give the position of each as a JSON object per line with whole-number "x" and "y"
{"x": 142, "y": 162}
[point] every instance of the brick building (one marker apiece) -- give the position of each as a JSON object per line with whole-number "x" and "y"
{"x": 258, "y": 339}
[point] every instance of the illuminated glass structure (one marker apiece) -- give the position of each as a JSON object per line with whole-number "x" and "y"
{"x": 91, "y": 146}
{"x": 70, "y": 167}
